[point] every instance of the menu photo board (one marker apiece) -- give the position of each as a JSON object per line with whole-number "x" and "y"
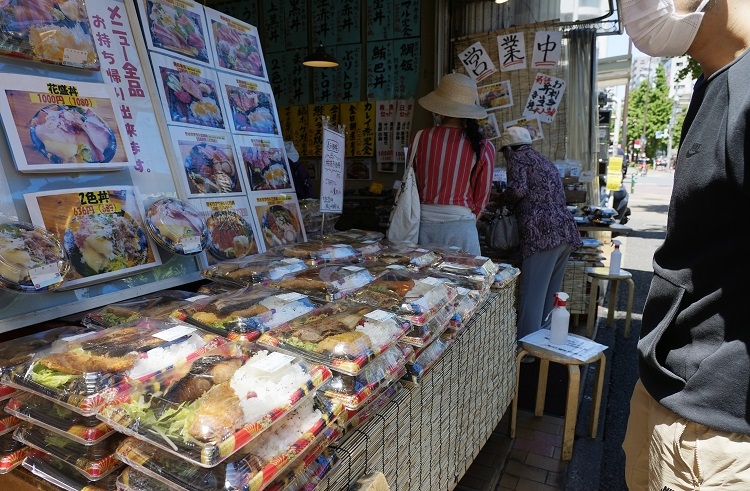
{"x": 280, "y": 219}
{"x": 232, "y": 227}
{"x": 251, "y": 107}
{"x": 176, "y": 27}
{"x": 102, "y": 230}
{"x": 264, "y": 159}
{"x": 208, "y": 160}
{"x": 58, "y": 125}
{"x": 235, "y": 45}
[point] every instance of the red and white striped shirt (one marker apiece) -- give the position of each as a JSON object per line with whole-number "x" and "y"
{"x": 444, "y": 169}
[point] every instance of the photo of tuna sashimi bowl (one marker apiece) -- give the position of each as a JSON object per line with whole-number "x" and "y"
{"x": 72, "y": 134}
{"x": 176, "y": 29}
{"x": 231, "y": 235}
{"x": 211, "y": 169}
{"x": 237, "y": 50}
{"x": 252, "y": 110}
{"x": 266, "y": 168}
{"x": 191, "y": 99}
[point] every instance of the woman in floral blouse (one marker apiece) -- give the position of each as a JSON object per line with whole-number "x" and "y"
{"x": 548, "y": 231}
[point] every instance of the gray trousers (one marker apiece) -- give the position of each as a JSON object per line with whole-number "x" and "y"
{"x": 541, "y": 277}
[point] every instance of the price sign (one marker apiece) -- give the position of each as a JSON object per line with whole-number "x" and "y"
{"x": 332, "y": 172}
{"x": 44, "y": 276}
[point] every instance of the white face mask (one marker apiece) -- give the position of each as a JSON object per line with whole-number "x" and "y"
{"x": 657, "y": 30}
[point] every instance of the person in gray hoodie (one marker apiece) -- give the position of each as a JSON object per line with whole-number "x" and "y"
{"x": 689, "y": 425}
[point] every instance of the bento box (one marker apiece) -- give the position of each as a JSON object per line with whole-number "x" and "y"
{"x": 327, "y": 282}
{"x": 12, "y": 453}
{"x": 155, "y": 305}
{"x": 314, "y": 253}
{"x": 250, "y": 270}
{"x": 64, "y": 475}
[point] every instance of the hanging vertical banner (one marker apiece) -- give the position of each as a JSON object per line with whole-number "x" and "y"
{"x": 379, "y": 72}
{"x": 300, "y": 129}
{"x": 349, "y": 73}
{"x": 323, "y": 20}
{"x": 278, "y": 76}
{"x": 365, "y": 129}
{"x": 315, "y": 114}
{"x": 325, "y": 86}
{"x": 274, "y": 28}
{"x": 511, "y": 49}
{"x": 547, "y": 48}
{"x": 402, "y": 132}
{"x": 477, "y": 62}
{"x": 332, "y": 172}
{"x": 385, "y": 121}
{"x": 298, "y": 77}
{"x": 406, "y": 18}
{"x": 544, "y": 98}
{"x": 406, "y": 64}
{"x": 379, "y": 20}
{"x": 285, "y": 120}
{"x": 332, "y": 111}
{"x": 241, "y": 10}
{"x": 348, "y": 24}
{"x": 348, "y": 118}
{"x": 294, "y": 23}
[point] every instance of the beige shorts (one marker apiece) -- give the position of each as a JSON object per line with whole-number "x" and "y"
{"x": 665, "y": 452}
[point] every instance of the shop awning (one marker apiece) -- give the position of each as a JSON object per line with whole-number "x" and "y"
{"x": 613, "y": 71}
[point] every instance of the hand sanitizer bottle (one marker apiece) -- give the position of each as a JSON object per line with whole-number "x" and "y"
{"x": 615, "y": 259}
{"x": 560, "y": 320}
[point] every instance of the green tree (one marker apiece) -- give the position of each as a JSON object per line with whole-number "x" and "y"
{"x": 657, "y": 112}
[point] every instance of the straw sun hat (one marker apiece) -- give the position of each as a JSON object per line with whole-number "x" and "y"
{"x": 456, "y": 97}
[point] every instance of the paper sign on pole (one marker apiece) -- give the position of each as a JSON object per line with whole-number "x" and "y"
{"x": 614, "y": 173}
{"x": 332, "y": 172}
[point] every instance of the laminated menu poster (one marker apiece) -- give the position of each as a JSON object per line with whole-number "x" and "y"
{"x": 55, "y": 32}
{"x": 232, "y": 229}
{"x": 176, "y": 27}
{"x": 62, "y": 126}
{"x": 264, "y": 159}
{"x": 280, "y": 219}
{"x": 101, "y": 229}
{"x": 208, "y": 160}
{"x": 188, "y": 92}
{"x": 235, "y": 45}
{"x": 250, "y": 105}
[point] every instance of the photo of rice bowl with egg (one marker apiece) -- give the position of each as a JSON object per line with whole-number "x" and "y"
{"x": 191, "y": 99}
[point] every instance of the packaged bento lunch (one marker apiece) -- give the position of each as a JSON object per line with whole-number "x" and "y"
{"x": 8, "y": 421}
{"x": 177, "y": 226}
{"x": 320, "y": 252}
{"x": 354, "y": 235}
{"x": 207, "y": 410}
{"x": 243, "y": 314}
{"x": 342, "y": 334}
{"x": 505, "y": 273}
{"x": 355, "y": 390}
{"x": 405, "y": 254}
{"x": 133, "y": 480}
{"x": 327, "y": 282}
{"x": 85, "y": 373}
{"x": 259, "y": 462}
{"x": 466, "y": 304}
{"x": 308, "y": 471}
{"x": 64, "y": 475}
{"x": 12, "y": 453}
{"x": 157, "y": 305}
{"x": 353, "y": 417}
{"x": 31, "y": 259}
{"x": 425, "y": 361}
{"x": 92, "y": 461}
{"x": 414, "y": 296}
{"x": 86, "y": 430}
{"x": 249, "y": 270}
{"x": 421, "y": 335}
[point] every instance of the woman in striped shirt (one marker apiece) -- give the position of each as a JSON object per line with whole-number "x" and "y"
{"x": 453, "y": 165}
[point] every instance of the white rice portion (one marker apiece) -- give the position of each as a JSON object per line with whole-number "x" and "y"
{"x": 260, "y": 391}
{"x": 380, "y": 333}
{"x": 160, "y": 358}
{"x": 287, "y": 312}
{"x": 277, "y": 439}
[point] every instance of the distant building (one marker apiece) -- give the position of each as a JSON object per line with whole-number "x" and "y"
{"x": 682, "y": 90}
{"x": 643, "y": 68}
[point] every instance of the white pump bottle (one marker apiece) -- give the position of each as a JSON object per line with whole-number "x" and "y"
{"x": 615, "y": 259}
{"x": 560, "y": 320}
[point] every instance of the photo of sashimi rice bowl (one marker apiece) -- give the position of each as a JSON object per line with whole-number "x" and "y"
{"x": 105, "y": 242}
{"x": 237, "y": 50}
{"x": 176, "y": 29}
{"x": 72, "y": 134}
{"x": 46, "y": 29}
{"x": 266, "y": 168}
{"x": 231, "y": 235}
{"x": 211, "y": 169}
{"x": 252, "y": 110}
{"x": 191, "y": 99}
{"x": 280, "y": 226}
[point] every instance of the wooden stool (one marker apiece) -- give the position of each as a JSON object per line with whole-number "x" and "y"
{"x": 574, "y": 379}
{"x": 602, "y": 273}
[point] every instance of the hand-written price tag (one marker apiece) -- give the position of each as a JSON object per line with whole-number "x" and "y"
{"x": 273, "y": 362}
{"x": 191, "y": 244}
{"x": 380, "y": 315}
{"x": 74, "y": 57}
{"x": 44, "y": 276}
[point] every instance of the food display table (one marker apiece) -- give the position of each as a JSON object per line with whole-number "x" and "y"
{"x": 428, "y": 436}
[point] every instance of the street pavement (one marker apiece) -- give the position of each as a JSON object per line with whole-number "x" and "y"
{"x": 598, "y": 464}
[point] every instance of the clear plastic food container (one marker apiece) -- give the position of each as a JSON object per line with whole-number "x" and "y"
{"x": 156, "y": 305}
{"x": 31, "y": 259}
{"x": 133, "y": 480}
{"x": 86, "y": 372}
{"x": 320, "y": 252}
{"x": 308, "y": 471}
{"x": 342, "y": 334}
{"x": 329, "y": 282}
{"x": 421, "y": 335}
{"x": 64, "y": 475}
{"x": 250, "y": 270}
{"x": 411, "y": 255}
{"x": 177, "y": 226}
{"x": 8, "y": 421}
{"x": 206, "y": 411}
{"x": 12, "y": 453}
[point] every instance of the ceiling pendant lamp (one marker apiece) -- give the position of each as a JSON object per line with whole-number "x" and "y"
{"x": 320, "y": 59}
{"x": 501, "y": 1}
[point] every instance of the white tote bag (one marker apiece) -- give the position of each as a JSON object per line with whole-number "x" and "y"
{"x": 405, "y": 214}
